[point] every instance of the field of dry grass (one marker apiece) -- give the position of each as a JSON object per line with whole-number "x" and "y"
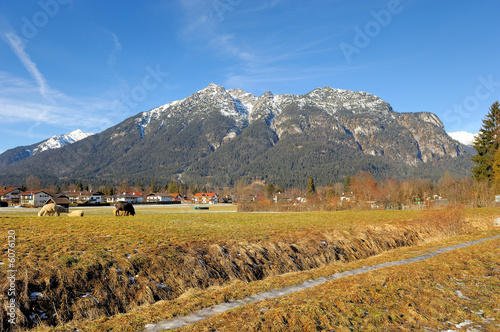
{"x": 99, "y": 266}
{"x": 459, "y": 290}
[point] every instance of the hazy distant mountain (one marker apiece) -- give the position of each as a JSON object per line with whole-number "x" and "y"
{"x": 55, "y": 142}
{"x": 218, "y": 136}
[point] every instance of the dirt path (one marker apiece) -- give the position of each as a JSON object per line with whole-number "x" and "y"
{"x": 217, "y": 309}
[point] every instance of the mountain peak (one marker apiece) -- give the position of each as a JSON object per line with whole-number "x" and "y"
{"x": 214, "y": 88}
{"x": 463, "y": 137}
{"x": 58, "y": 141}
{"x": 55, "y": 142}
{"x": 220, "y": 135}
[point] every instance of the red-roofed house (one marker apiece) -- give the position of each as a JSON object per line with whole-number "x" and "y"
{"x": 10, "y": 195}
{"x": 206, "y": 198}
{"x": 130, "y": 197}
{"x": 177, "y": 197}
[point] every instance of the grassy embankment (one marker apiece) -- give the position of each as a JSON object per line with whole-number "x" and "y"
{"x": 455, "y": 291}
{"x": 100, "y": 265}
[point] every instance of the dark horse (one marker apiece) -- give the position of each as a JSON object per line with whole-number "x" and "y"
{"x": 126, "y": 207}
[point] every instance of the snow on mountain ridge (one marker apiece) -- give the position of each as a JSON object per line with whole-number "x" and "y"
{"x": 58, "y": 141}
{"x": 463, "y": 137}
{"x": 145, "y": 118}
{"x": 243, "y": 99}
{"x": 245, "y": 107}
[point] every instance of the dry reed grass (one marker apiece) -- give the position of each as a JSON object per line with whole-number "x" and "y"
{"x": 196, "y": 299}
{"x": 456, "y": 290}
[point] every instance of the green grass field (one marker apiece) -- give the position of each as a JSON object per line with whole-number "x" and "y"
{"x": 103, "y": 266}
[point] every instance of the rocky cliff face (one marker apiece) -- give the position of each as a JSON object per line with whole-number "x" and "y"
{"x": 369, "y": 123}
{"x": 218, "y": 135}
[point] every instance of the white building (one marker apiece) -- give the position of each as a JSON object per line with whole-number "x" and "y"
{"x": 34, "y": 198}
{"x": 206, "y": 198}
{"x": 159, "y": 197}
{"x": 130, "y": 197}
{"x": 85, "y": 197}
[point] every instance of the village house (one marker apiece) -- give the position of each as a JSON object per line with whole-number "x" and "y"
{"x": 159, "y": 197}
{"x": 84, "y": 197}
{"x": 205, "y": 198}
{"x": 59, "y": 200}
{"x": 129, "y": 197}
{"x": 111, "y": 200}
{"x": 348, "y": 197}
{"x": 10, "y": 195}
{"x": 34, "y": 198}
{"x": 177, "y": 197}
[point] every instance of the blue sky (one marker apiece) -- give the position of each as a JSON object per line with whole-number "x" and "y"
{"x": 74, "y": 64}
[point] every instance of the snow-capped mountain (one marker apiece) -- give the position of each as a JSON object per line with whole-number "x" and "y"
{"x": 217, "y": 136}
{"x": 58, "y": 141}
{"x": 55, "y": 142}
{"x": 463, "y": 137}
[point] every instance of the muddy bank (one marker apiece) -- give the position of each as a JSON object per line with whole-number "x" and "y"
{"x": 108, "y": 284}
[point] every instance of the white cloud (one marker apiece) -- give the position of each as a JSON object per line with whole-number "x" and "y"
{"x": 20, "y": 104}
{"x": 204, "y": 26}
{"x": 18, "y": 47}
{"x": 117, "y": 46}
{"x": 35, "y": 103}
{"x": 269, "y": 4}
{"x": 116, "y": 42}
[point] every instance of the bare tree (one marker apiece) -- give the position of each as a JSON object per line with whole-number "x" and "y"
{"x": 364, "y": 187}
{"x": 33, "y": 183}
{"x": 391, "y": 194}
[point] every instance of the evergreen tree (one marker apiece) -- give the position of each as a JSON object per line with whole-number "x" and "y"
{"x": 153, "y": 188}
{"x": 311, "y": 188}
{"x": 486, "y": 145}
{"x": 79, "y": 186}
{"x": 347, "y": 184}
{"x": 496, "y": 169}
{"x": 173, "y": 188}
{"x": 270, "y": 190}
{"x": 194, "y": 189}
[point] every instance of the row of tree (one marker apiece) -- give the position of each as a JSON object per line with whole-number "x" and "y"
{"x": 362, "y": 191}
